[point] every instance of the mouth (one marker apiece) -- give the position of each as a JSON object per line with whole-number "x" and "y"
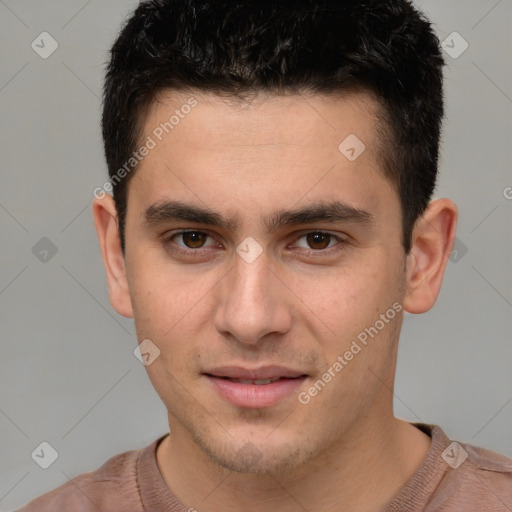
{"x": 257, "y": 382}
{"x": 255, "y": 388}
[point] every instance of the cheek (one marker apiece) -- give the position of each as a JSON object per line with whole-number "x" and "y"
{"x": 167, "y": 301}
{"x": 168, "y": 311}
{"x": 346, "y": 298}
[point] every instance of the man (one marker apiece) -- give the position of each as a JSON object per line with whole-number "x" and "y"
{"x": 272, "y": 166}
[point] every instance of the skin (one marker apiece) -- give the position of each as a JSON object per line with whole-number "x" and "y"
{"x": 344, "y": 450}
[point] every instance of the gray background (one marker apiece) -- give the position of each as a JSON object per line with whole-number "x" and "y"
{"x": 68, "y": 375}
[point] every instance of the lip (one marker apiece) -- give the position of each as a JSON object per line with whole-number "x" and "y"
{"x": 263, "y": 372}
{"x": 255, "y": 396}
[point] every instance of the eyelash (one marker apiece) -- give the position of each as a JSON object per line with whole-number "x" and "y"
{"x": 173, "y": 248}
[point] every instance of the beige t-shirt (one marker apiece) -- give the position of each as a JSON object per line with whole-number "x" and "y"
{"x": 453, "y": 477}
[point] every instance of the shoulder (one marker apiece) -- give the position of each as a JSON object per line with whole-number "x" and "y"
{"x": 477, "y": 476}
{"x": 489, "y": 465}
{"x": 111, "y": 485}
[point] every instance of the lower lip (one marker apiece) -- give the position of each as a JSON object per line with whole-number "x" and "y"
{"x": 255, "y": 395}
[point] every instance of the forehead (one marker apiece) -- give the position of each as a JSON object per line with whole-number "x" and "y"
{"x": 297, "y": 118}
{"x": 268, "y": 148}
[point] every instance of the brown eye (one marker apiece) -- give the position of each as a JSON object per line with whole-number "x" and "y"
{"x": 318, "y": 240}
{"x": 194, "y": 239}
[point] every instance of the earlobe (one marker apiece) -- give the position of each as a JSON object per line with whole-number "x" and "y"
{"x": 107, "y": 229}
{"x": 432, "y": 242}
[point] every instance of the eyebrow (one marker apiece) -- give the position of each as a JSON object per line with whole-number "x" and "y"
{"x": 335, "y": 211}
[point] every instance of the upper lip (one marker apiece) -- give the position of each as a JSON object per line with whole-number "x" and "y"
{"x": 263, "y": 372}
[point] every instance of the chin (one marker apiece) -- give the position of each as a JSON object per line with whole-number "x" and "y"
{"x": 259, "y": 456}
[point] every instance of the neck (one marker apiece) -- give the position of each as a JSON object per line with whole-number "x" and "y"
{"x": 362, "y": 472}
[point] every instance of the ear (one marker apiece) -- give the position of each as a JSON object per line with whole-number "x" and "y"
{"x": 432, "y": 243}
{"x": 107, "y": 227}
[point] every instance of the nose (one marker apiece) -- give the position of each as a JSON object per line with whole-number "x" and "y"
{"x": 252, "y": 302}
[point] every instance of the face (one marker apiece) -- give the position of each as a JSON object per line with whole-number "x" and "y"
{"x": 257, "y": 248}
